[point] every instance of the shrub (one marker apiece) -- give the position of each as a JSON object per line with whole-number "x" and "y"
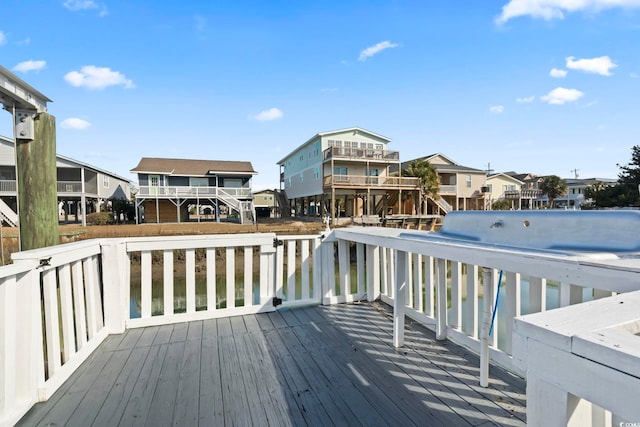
{"x": 100, "y": 218}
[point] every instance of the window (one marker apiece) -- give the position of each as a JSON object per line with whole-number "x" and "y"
{"x": 372, "y": 172}
{"x": 490, "y": 188}
{"x": 105, "y": 181}
{"x": 199, "y": 182}
{"x": 468, "y": 181}
{"x": 340, "y": 173}
{"x": 316, "y": 173}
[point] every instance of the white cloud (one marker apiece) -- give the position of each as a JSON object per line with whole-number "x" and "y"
{"x": 561, "y": 95}
{"x": 634, "y": 75}
{"x": 555, "y": 9}
{"x": 558, "y": 73}
{"x": 526, "y": 100}
{"x": 94, "y": 77}
{"x": 3, "y": 38}
{"x": 268, "y": 115}
{"x": 601, "y": 65}
{"x": 497, "y": 109}
{"x": 373, "y": 50}
{"x": 30, "y": 65}
{"x": 74, "y": 124}
{"x": 76, "y": 5}
{"x": 24, "y": 42}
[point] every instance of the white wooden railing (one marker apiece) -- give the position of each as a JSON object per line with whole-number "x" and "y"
{"x": 57, "y": 304}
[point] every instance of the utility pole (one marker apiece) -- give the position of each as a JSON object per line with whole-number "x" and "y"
{"x": 36, "y": 173}
{"x": 575, "y": 172}
{"x": 489, "y": 170}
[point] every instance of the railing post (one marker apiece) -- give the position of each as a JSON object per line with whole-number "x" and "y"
{"x": 373, "y": 272}
{"x": 114, "y": 282}
{"x": 400, "y": 287}
{"x": 488, "y": 295}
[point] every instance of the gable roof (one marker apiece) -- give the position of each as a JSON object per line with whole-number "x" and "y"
{"x": 192, "y": 167}
{"x": 440, "y": 167}
{"x": 504, "y": 176}
{"x": 332, "y": 132}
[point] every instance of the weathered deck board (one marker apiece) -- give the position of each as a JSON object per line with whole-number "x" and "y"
{"x": 313, "y": 365}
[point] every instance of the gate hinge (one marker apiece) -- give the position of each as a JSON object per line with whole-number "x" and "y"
{"x": 277, "y": 242}
{"x": 276, "y": 301}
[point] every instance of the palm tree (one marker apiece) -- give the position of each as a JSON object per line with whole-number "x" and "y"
{"x": 553, "y": 186}
{"x": 429, "y": 180}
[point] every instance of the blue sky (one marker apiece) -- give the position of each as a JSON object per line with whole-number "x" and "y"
{"x": 540, "y": 86}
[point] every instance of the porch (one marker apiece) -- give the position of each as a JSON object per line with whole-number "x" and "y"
{"x": 312, "y": 365}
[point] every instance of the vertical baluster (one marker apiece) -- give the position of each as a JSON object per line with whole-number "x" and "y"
{"x": 267, "y": 273}
{"x": 231, "y": 277}
{"x": 429, "y": 286}
{"x": 95, "y": 281}
{"x": 599, "y": 293}
{"x": 316, "y": 269}
{"x": 291, "y": 270}
{"x": 248, "y": 276}
{"x": 52, "y": 326}
{"x": 418, "y": 302}
{"x": 488, "y": 277}
{"x": 512, "y": 306}
{"x": 279, "y": 271}
{"x": 537, "y": 294}
{"x": 343, "y": 264}
{"x": 190, "y": 279}
{"x": 90, "y": 294}
{"x": 360, "y": 268}
{"x": 79, "y": 304}
{"x": 304, "y": 253}
{"x": 408, "y": 299}
{"x": 384, "y": 273}
{"x": 66, "y": 313}
{"x": 400, "y": 285}
{"x": 9, "y": 306}
{"x": 456, "y": 295}
{"x": 373, "y": 272}
{"x": 211, "y": 279}
{"x": 575, "y": 294}
{"x": 471, "y": 305}
{"x": 167, "y": 283}
{"x": 496, "y": 285}
{"x": 391, "y": 270}
{"x": 564, "y": 294}
{"x": 441, "y": 299}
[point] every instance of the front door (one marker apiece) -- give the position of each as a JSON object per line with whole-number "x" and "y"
{"x": 154, "y": 183}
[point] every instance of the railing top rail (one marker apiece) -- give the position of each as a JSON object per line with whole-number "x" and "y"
{"x": 603, "y": 270}
{"x": 54, "y": 256}
{"x": 199, "y": 241}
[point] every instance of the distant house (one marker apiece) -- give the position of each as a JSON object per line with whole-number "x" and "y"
{"x": 266, "y": 203}
{"x": 177, "y": 190}
{"x": 343, "y": 173}
{"x": 461, "y": 187}
{"x": 529, "y": 196}
{"x": 82, "y": 188}
{"x": 575, "y": 197}
{"x": 501, "y": 186}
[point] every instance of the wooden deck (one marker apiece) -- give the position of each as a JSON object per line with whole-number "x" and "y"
{"x": 321, "y": 365}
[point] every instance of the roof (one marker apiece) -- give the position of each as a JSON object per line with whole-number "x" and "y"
{"x": 453, "y": 167}
{"x": 192, "y": 167}
{"x": 504, "y": 175}
{"x": 331, "y": 132}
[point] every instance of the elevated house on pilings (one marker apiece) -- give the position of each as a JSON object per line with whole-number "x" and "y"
{"x": 344, "y": 173}
{"x": 178, "y": 190}
{"x": 82, "y": 188}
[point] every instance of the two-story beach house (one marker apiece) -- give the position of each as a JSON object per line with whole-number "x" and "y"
{"x": 82, "y": 188}
{"x": 501, "y": 186}
{"x": 461, "y": 187}
{"x": 529, "y": 196}
{"x": 266, "y": 203}
{"x": 575, "y": 197}
{"x": 343, "y": 173}
{"x": 177, "y": 190}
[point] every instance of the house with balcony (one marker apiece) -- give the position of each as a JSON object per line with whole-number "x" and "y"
{"x": 501, "y": 186}
{"x": 344, "y": 173}
{"x": 178, "y": 190}
{"x": 266, "y": 204}
{"x": 576, "y": 187}
{"x": 529, "y": 196}
{"x": 82, "y": 188}
{"x": 461, "y": 187}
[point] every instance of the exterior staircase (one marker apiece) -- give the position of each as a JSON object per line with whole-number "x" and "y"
{"x": 8, "y": 215}
{"x": 245, "y": 208}
{"x": 442, "y": 204}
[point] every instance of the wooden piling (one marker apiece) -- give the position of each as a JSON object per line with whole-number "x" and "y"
{"x": 37, "y": 185}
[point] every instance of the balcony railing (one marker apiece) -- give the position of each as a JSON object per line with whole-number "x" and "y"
{"x": 522, "y": 194}
{"x": 59, "y": 303}
{"x": 7, "y": 186}
{"x": 69, "y": 187}
{"x": 371, "y": 181}
{"x": 188, "y": 191}
{"x": 361, "y": 154}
